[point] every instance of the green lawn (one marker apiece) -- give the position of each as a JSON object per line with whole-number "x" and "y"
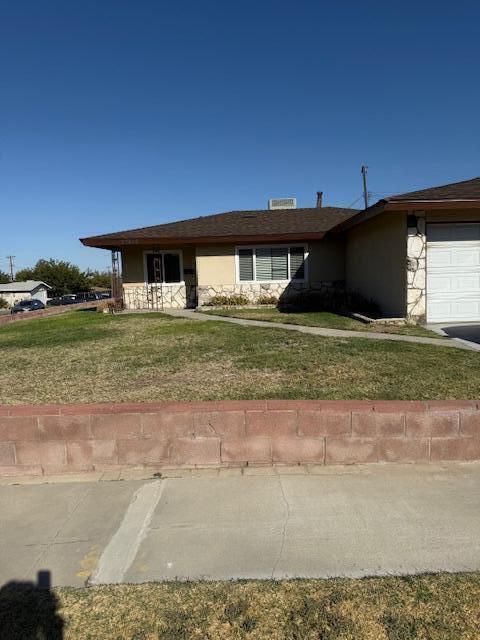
{"x": 319, "y": 319}
{"x": 429, "y": 607}
{"x": 91, "y": 357}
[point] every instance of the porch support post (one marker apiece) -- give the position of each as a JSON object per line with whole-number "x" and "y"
{"x": 117, "y": 292}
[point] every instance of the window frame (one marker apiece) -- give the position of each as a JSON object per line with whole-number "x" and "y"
{"x": 162, "y": 252}
{"x": 254, "y": 248}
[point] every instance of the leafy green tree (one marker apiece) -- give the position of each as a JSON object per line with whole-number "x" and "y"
{"x": 4, "y": 277}
{"x": 100, "y": 279}
{"x": 24, "y": 274}
{"x": 62, "y": 276}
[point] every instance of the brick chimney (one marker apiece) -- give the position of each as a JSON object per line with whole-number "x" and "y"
{"x": 319, "y": 199}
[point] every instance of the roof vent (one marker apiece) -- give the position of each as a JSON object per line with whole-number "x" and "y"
{"x": 282, "y": 203}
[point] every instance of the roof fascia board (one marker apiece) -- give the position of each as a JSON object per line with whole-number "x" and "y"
{"x": 111, "y": 243}
{"x": 404, "y": 205}
{"x": 409, "y": 205}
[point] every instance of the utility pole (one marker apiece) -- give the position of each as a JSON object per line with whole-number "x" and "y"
{"x": 365, "y": 192}
{"x": 10, "y": 260}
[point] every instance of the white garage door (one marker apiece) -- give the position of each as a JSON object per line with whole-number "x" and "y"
{"x": 453, "y": 272}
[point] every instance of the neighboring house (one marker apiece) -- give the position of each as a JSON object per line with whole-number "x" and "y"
{"x": 417, "y": 255}
{"x": 13, "y": 292}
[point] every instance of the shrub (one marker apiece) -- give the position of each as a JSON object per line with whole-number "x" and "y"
{"x": 334, "y": 300}
{"x": 4, "y": 304}
{"x": 228, "y": 301}
{"x": 267, "y": 300}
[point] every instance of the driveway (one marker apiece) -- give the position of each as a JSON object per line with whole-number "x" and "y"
{"x": 337, "y": 521}
{"x": 463, "y": 331}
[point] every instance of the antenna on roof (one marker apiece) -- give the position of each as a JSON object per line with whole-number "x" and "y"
{"x": 363, "y": 171}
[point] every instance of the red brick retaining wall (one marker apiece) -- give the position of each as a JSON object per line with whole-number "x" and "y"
{"x": 51, "y": 311}
{"x": 41, "y": 439}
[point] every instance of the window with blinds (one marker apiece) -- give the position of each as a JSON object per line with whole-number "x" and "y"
{"x": 245, "y": 264}
{"x": 271, "y": 263}
{"x": 297, "y": 263}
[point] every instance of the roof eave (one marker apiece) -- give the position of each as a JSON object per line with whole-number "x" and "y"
{"x": 402, "y": 205}
{"x": 117, "y": 243}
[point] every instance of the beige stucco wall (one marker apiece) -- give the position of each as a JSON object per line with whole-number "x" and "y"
{"x": 132, "y": 266}
{"x": 215, "y": 264}
{"x": 375, "y": 261}
{"x": 326, "y": 260}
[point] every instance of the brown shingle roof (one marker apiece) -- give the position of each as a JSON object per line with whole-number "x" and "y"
{"x": 465, "y": 190}
{"x": 277, "y": 224}
{"x": 456, "y": 195}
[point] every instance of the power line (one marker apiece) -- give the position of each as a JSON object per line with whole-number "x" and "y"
{"x": 355, "y": 201}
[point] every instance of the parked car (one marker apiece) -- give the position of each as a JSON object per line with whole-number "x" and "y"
{"x": 76, "y": 298}
{"x": 88, "y": 297}
{"x": 54, "y": 302}
{"x": 27, "y": 305}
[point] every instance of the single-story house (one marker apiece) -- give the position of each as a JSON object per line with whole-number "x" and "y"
{"x": 13, "y": 292}
{"x": 416, "y": 255}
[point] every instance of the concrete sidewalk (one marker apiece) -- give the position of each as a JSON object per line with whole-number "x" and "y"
{"x": 320, "y": 331}
{"x": 263, "y": 523}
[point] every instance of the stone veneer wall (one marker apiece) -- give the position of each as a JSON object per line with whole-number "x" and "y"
{"x": 254, "y": 290}
{"x": 43, "y": 439}
{"x": 168, "y": 296}
{"x": 172, "y": 296}
{"x": 416, "y": 268}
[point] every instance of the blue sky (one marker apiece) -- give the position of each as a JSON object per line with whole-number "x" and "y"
{"x": 117, "y": 114}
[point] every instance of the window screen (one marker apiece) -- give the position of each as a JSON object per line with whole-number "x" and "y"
{"x": 297, "y": 264}
{"x": 272, "y": 264}
{"x": 280, "y": 264}
{"x": 245, "y": 264}
{"x": 263, "y": 264}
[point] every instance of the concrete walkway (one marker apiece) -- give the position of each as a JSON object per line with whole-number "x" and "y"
{"x": 320, "y": 331}
{"x": 259, "y": 523}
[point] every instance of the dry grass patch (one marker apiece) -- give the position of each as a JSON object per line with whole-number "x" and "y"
{"x": 433, "y": 607}
{"x": 88, "y": 357}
